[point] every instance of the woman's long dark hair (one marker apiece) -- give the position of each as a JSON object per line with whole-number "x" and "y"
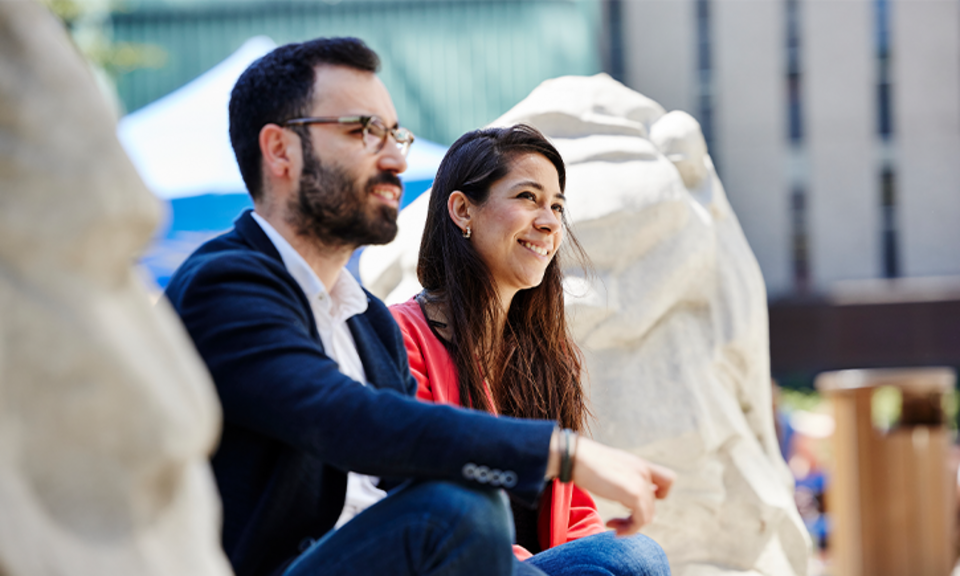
{"x": 533, "y": 368}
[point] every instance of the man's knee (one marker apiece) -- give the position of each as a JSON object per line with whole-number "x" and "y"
{"x": 640, "y": 555}
{"x": 471, "y": 527}
{"x": 483, "y": 511}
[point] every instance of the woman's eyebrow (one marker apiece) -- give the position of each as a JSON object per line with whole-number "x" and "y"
{"x": 529, "y": 184}
{"x": 538, "y": 186}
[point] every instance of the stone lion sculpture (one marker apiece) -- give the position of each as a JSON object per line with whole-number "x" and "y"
{"x": 673, "y": 323}
{"x": 107, "y": 415}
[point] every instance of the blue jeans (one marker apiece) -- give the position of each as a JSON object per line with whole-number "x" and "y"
{"x": 601, "y": 555}
{"x": 443, "y": 528}
{"x": 424, "y": 528}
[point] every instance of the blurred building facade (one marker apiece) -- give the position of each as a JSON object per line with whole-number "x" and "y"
{"x": 835, "y": 126}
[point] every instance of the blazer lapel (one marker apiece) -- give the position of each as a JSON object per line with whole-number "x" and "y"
{"x": 378, "y": 365}
{"x": 253, "y": 234}
{"x": 380, "y": 369}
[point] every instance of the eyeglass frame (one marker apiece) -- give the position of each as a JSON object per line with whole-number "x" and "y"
{"x": 402, "y": 136}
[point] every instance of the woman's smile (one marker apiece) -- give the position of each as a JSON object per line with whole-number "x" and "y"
{"x": 535, "y": 248}
{"x": 518, "y": 229}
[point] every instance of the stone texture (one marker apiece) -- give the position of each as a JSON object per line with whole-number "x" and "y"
{"x": 107, "y": 415}
{"x": 673, "y": 323}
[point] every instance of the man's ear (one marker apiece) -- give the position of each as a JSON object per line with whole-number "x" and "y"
{"x": 281, "y": 153}
{"x": 460, "y": 209}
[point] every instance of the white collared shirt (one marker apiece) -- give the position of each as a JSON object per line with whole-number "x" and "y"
{"x": 331, "y": 311}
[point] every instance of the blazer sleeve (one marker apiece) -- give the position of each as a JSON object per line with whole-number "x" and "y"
{"x": 251, "y": 324}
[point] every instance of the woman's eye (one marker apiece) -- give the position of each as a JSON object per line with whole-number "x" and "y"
{"x": 527, "y": 196}
{"x": 559, "y": 208}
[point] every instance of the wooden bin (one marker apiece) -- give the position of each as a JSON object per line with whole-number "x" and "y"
{"x": 891, "y": 494}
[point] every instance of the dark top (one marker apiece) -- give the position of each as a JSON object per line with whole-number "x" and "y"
{"x": 294, "y": 424}
{"x": 525, "y": 522}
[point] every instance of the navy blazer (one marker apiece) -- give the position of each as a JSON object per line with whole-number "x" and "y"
{"x": 294, "y": 424}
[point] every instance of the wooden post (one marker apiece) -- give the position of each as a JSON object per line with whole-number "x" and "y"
{"x": 891, "y": 494}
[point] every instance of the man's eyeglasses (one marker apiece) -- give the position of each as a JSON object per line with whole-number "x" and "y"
{"x": 375, "y": 132}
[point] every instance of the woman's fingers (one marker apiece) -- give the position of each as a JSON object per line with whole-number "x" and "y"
{"x": 622, "y": 526}
{"x": 662, "y": 478}
{"x": 642, "y": 510}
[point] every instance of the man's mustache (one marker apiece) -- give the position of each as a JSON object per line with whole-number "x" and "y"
{"x": 385, "y": 178}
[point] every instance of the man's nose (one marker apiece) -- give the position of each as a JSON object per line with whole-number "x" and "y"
{"x": 391, "y": 159}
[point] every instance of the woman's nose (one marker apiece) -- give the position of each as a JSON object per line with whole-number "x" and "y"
{"x": 548, "y": 219}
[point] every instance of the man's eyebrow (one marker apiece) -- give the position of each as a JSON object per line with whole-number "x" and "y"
{"x": 377, "y": 116}
{"x": 395, "y": 124}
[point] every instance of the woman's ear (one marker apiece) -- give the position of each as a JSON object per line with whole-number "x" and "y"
{"x": 460, "y": 209}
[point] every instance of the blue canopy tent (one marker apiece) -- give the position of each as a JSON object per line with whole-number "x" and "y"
{"x": 181, "y": 147}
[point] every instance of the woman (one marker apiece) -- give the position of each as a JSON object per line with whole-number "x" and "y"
{"x": 489, "y": 332}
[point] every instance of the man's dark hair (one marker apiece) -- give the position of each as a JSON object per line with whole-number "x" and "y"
{"x": 279, "y": 87}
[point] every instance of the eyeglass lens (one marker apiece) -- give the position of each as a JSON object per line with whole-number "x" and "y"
{"x": 375, "y": 136}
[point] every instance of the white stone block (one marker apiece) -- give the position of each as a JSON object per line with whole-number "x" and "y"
{"x": 107, "y": 414}
{"x": 673, "y": 328}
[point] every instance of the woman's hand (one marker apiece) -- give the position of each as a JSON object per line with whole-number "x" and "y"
{"x": 619, "y": 476}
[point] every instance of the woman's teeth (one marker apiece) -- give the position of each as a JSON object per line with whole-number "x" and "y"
{"x": 537, "y": 249}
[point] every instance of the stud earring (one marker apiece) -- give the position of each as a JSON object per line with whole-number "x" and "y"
{"x": 467, "y": 233}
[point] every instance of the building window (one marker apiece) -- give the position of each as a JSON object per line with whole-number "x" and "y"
{"x": 888, "y": 181}
{"x": 799, "y": 238}
{"x": 614, "y": 49}
{"x": 888, "y": 205}
{"x": 884, "y": 89}
{"x": 799, "y": 244}
{"x": 794, "y": 109}
{"x": 705, "y": 76}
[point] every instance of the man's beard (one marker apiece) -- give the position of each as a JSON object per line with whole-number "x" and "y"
{"x": 331, "y": 207}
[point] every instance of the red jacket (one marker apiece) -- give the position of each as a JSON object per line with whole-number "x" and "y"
{"x": 571, "y": 513}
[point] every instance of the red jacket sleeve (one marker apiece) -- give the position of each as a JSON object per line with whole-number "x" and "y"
{"x": 584, "y": 518}
{"x": 572, "y": 514}
{"x": 430, "y": 363}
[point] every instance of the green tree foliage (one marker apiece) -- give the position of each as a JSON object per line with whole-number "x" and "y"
{"x": 88, "y": 22}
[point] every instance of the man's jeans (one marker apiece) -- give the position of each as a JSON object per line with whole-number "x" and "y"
{"x": 444, "y": 528}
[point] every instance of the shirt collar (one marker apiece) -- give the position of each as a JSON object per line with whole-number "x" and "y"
{"x": 346, "y": 299}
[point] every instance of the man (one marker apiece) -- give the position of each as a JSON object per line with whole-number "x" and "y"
{"x": 311, "y": 369}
